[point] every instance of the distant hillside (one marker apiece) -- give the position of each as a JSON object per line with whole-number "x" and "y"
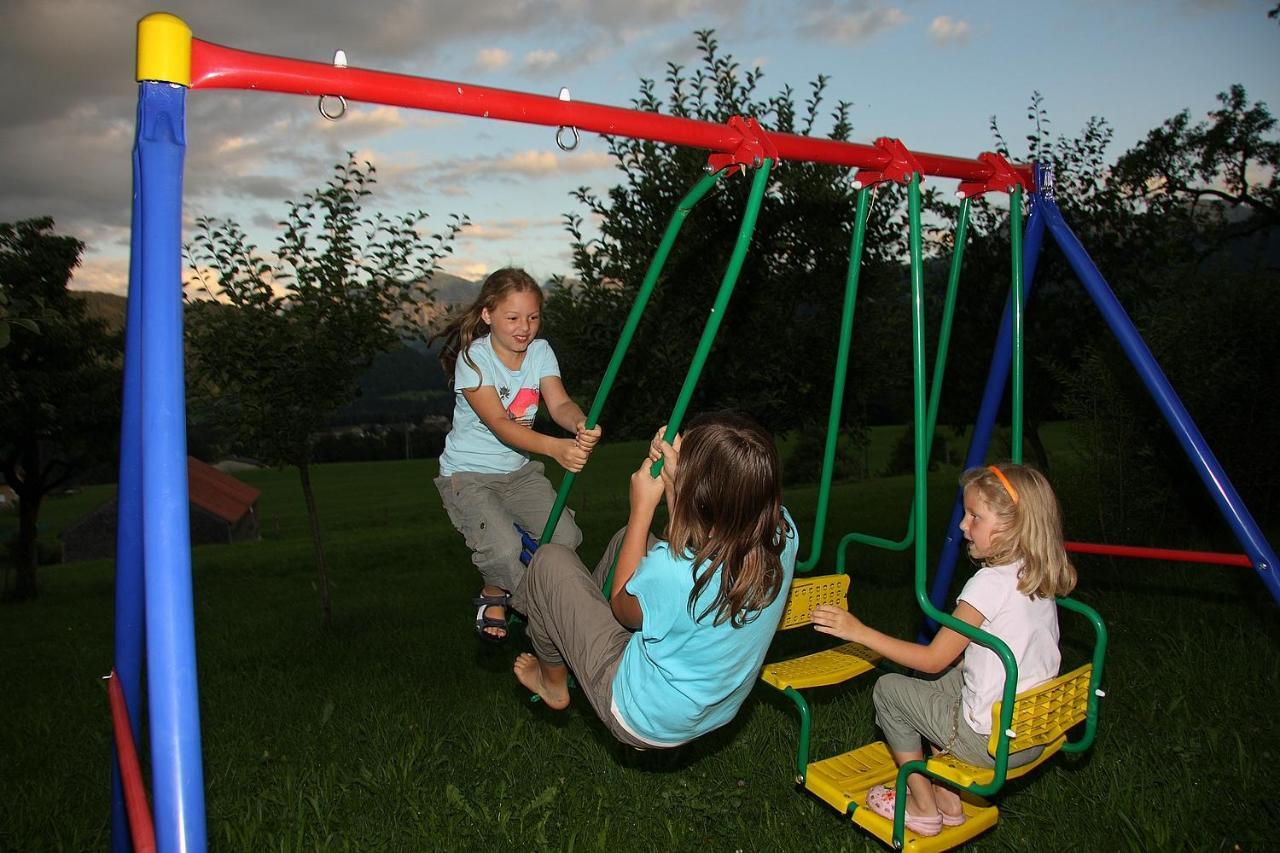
{"x": 105, "y": 306}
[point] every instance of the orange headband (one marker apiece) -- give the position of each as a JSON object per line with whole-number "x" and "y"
{"x": 1004, "y": 481}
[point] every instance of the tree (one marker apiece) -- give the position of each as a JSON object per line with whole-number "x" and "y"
{"x": 775, "y": 354}
{"x": 1208, "y": 189}
{"x": 277, "y": 347}
{"x": 9, "y": 318}
{"x": 59, "y": 387}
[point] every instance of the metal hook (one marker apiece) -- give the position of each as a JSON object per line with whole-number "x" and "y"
{"x": 564, "y": 96}
{"x": 339, "y": 61}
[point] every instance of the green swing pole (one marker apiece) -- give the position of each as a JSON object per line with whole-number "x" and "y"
{"x": 1018, "y": 298}
{"x": 922, "y": 545}
{"x": 745, "y": 230}
{"x": 935, "y": 389}
{"x": 659, "y": 260}
{"x": 842, "y": 370}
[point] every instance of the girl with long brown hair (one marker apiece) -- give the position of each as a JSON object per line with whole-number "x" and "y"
{"x": 671, "y": 650}
{"x": 501, "y": 372}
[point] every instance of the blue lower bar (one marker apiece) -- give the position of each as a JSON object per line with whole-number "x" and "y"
{"x": 1166, "y": 399}
{"x": 176, "y": 766}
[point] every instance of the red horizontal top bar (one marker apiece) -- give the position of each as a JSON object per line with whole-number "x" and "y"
{"x": 1179, "y": 556}
{"x": 216, "y": 67}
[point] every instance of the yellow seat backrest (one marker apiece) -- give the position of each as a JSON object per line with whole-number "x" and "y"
{"x": 1043, "y": 714}
{"x": 808, "y": 593}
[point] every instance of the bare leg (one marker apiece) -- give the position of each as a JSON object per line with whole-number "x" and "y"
{"x": 921, "y": 802}
{"x": 949, "y": 802}
{"x": 550, "y": 681}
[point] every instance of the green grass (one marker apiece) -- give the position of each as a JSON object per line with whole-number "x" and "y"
{"x": 396, "y": 730}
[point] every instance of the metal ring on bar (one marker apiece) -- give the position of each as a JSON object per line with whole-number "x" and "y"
{"x": 332, "y": 115}
{"x": 560, "y": 137}
{"x": 565, "y": 96}
{"x": 339, "y": 61}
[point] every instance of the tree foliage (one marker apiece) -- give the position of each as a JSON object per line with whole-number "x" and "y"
{"x": 276, "y": 346}
{"x": 1180, "y": 225}
{"x": 59, "y": 383}
{"x": 774, "y": 354}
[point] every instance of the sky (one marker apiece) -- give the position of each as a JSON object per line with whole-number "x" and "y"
{"x": 930, "y": 73}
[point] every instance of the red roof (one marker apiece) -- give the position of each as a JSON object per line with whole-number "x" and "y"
{"x": 219, "y": 493}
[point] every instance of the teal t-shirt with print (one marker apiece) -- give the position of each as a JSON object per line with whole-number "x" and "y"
{"x": 470, "y": 445}
{"x": 678, "y": 678}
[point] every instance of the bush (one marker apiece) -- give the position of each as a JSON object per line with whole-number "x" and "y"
{"x": 804, "y": 465}
{"x": 902, "y": 459}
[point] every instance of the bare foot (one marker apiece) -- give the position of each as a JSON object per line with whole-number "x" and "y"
{"x": 949, "y": 802}
{"x": 530, "y": 672}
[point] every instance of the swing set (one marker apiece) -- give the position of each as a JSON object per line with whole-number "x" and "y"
{"x": 153, "y": 555}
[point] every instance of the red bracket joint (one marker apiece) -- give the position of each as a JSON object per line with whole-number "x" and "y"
{"x": 1003, "y": 178}
{"x": 900, "y": 165}
{"x": 753, "y": 146}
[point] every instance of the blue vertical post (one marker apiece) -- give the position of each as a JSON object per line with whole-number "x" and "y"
{"x": 130, "y": 612}
{"x": 984, "y": 424}
{"x": 1166, "y": 399}
{"x": 176, "y": 766}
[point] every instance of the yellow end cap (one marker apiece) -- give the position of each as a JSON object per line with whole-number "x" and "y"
{"x": 164, "y": 49}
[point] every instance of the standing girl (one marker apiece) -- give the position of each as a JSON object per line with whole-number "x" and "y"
{"x": 1014, "y": 530}
{"x": 673, "y": 651}
{"x": 501, "y": 371}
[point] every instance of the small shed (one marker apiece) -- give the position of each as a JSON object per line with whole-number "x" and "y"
{"x": 223, "y": 510}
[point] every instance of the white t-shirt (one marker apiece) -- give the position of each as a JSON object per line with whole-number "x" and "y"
{"x": 1028, "y": 626}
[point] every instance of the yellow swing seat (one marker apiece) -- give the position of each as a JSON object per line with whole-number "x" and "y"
{"x": 827, "y": 667}
{"x": 1042, "y": 716}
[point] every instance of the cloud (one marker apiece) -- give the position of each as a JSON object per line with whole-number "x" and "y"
{"x": 492, "y": 59}
{"x": 363, "y": 120}
{"x": 852, "y": 23}
{"x": 104, "y": 275}
{"x": 530, "y": 164}
{"x": 944, "y": 30}
{"x": 541, "y": 60}
{"x": 502, "y": 230}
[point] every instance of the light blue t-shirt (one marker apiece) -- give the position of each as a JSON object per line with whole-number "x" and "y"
{"x": 679, "y": 679}
{"x": 470, "y": 445}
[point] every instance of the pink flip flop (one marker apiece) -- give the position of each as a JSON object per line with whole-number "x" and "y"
{"x": 880, "y": 800}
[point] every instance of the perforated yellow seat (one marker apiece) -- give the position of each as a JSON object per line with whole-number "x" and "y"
{"x": 820, "y": 669}
{"x": 843, "y": 781}
{"x": 1042, "y": 716}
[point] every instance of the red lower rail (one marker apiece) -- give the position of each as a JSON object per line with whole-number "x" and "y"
{"x": 1171, "y": 554}
{"x": 135, "y": 794}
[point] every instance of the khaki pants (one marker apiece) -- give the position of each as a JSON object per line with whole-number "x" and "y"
{"x": 483, "y": 508}
{"x": 571, "y": 623}
{"x": 907, "y": 708}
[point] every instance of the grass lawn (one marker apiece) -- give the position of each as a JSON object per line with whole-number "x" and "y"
{"x": 397, "y": 730}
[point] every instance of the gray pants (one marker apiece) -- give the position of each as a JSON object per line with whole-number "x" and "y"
{"x": 483, "y": 508}
{"x": 907, "y": 708}
{"x": 571, "y": 623}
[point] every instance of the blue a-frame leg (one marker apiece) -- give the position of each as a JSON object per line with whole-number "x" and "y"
{"x": 154, "y": 551}
{"x": 1045, "y": 215}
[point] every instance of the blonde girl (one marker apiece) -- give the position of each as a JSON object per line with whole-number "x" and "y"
{"x": 1013, "y": 528}
{"x": 672, "y": 651}
{"x": 501, "y": 373}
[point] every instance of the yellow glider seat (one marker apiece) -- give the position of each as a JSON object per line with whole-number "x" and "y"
{"x": 820, "y": 669}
